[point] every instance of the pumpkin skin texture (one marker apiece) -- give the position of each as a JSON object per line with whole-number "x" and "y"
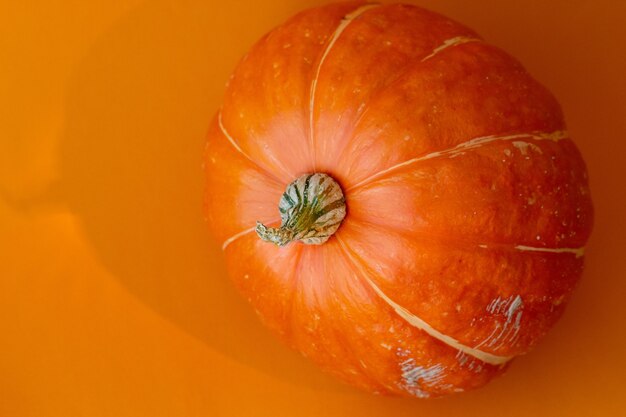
{"x": 467, "y": 203}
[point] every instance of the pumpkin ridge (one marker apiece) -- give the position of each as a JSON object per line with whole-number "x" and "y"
{"x": 391, "y": 79}
{"x": 458, "y": 40}
{"x": 458, "y": 149}
{"x": 445, "y": 239}
{"x": 343, "y": 24}
{"x": 364, "y": 372}
{"x": 235, "y": 145}
{"x": 294, "y": 282}
{"x": 578, "y": 252}
{"x": 420, "y": 324}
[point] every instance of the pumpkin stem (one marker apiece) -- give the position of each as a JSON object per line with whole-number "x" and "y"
{"x": 311, "y": 210}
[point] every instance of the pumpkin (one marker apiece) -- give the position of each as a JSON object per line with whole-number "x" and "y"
{"x": 397, "y": 199}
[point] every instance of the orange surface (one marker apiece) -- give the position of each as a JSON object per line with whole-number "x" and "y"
{"x": 113, "y": 301}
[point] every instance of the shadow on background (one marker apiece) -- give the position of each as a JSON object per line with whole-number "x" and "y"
{"x": 138, "y": 108}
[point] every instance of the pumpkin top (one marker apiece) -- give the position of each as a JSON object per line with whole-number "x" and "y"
{"x": 311, "y": 210}
{"x": 467, "y": 204}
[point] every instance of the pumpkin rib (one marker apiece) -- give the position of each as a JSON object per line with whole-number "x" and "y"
{"x": 417, "y": 322}
{"x": 451, "y": 288}
{"x": 293, "y": 282}
{"x": 579, "y": 252}
{"x": 458, "y": 149}
{"x": 464, "y": 35}
{"x": 298, "y": 289}
{"x": 236, "y": 189}
{"x": 473, "y": 243}
{"x": 343, "y": 24}
{"x": 459, "y": 40}
{"x": 235, "y": 145}
{"x": 479, "y": 72}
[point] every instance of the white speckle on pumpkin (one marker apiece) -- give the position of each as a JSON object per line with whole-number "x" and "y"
{"x": 246, "y": 276}
{"x": 386, "y": 346}
{"x": 507, "y": 152}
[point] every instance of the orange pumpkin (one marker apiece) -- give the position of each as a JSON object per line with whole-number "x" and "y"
{"x": 442, "y": 233}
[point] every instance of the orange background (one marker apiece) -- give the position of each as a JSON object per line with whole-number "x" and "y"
{"x": 113, "y": 300}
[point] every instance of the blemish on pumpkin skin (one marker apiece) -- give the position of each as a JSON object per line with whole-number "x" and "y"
{"x": 416, "y": 378}
{"x": 525, "y": 146}
{"x": 511, "y": 308}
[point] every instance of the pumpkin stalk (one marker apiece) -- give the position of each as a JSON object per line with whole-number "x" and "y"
{"x": 311, "y": 210}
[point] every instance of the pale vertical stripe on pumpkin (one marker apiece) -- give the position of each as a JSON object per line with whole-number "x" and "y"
{"x": 235, "y": 145}
{"x": 229, "y": 137}
{"x": 578, "y": 252}
{"x": 417, "y": 322}
{"x": 459, "y": 40}
{"x": 461, "y": 148}
{"x": 338, "y": 31}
